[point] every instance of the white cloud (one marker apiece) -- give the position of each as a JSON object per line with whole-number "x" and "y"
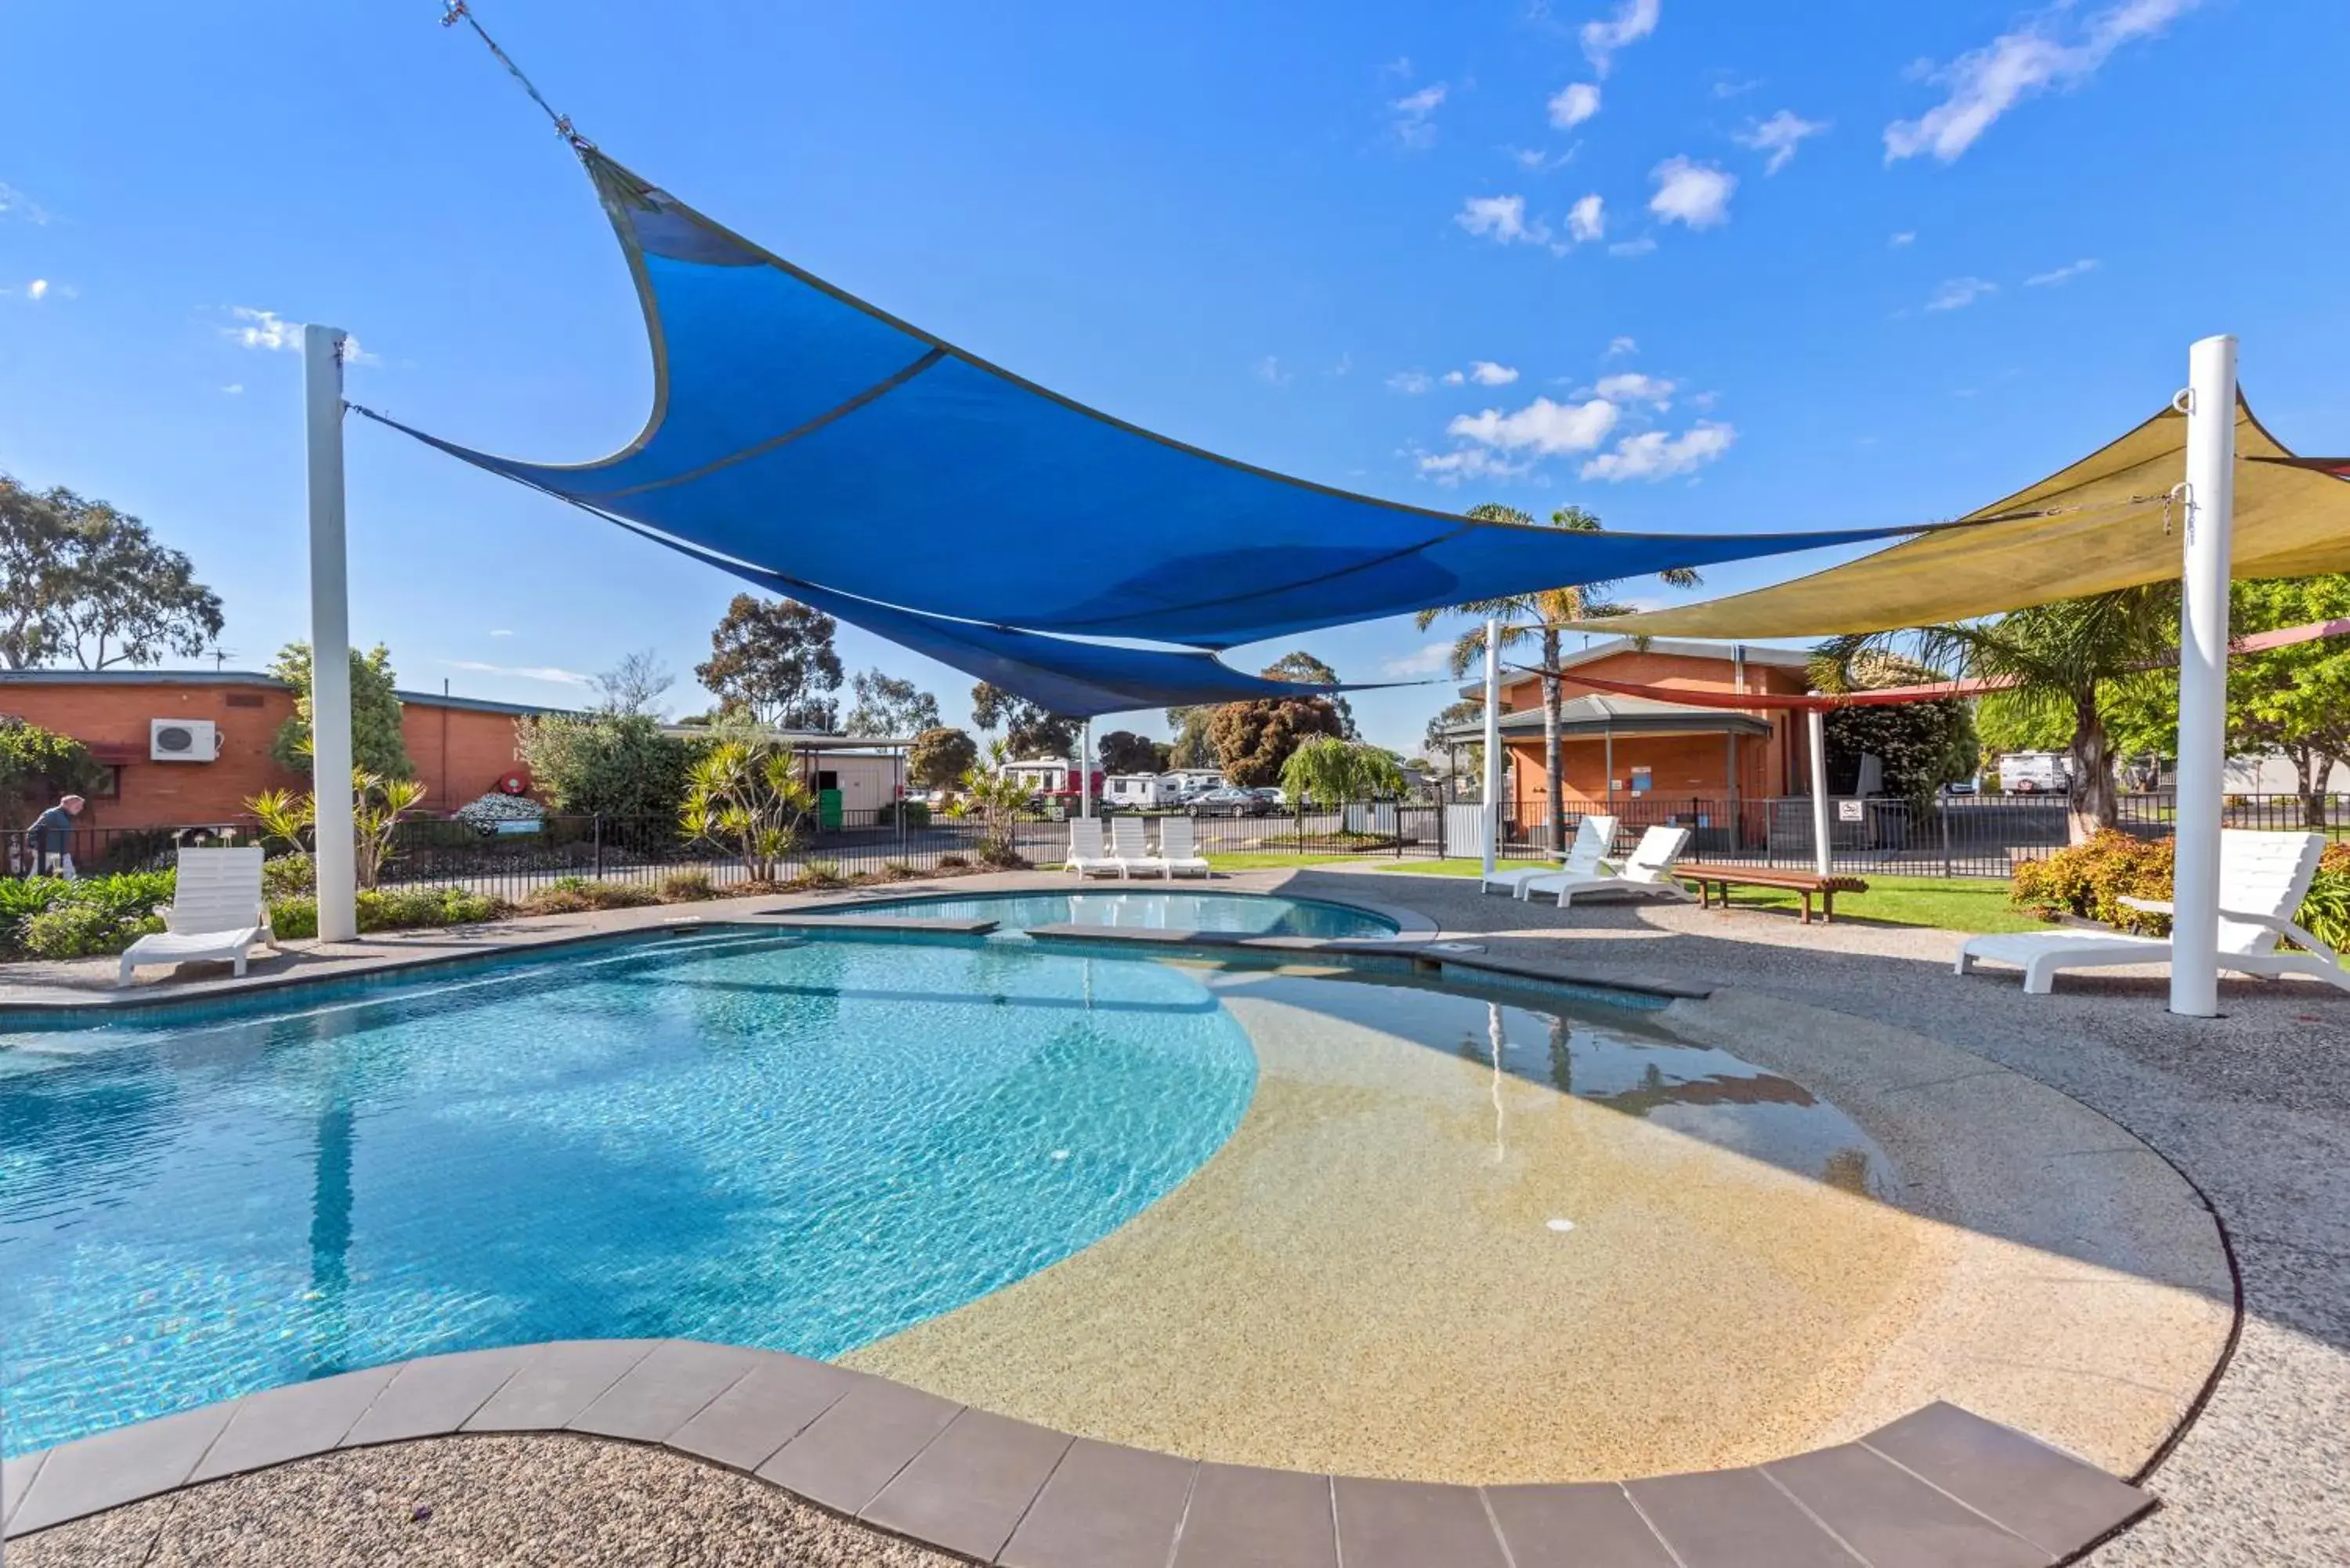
{"x": 1906, "y": 237}
{"x": 267, "y": 329}
{"x": 1779, "y": 136}
{"x": 1451, "y": 468}
{"x": 1415, "y": 115}
{"x": 501, "y": 631}
{"x": 1502, "y": 219}
{"x": 1621, "y": 346}
{"x": 1453, "y": 379}
{"x": 1573, "y": 104}
{"x": 14, "y": 204}
{"x": 1535, "y": 161}
{"x": 38, "y": 288}
{"x": 2040, "y": 54}
{"x": 1411, "y": 383}
{"x": 1631, "y": 387}
{"x": 1730, "y": 87}
{"x": 1269, "y": 371}
{"x": 1639, "y": 247}
{"x": 1653, "y": 455}
{"x": 1958, "y": 293}
{"x": 2063, "y": 274}
{"x": 1433, "y": 658}
{"x": 1485, "y": 373}
{"x": 547, "y": 672}
{"x": 235, "y": 389}
{"x": 1634, "y": 20}
{"x": 1543, "y": 427}
{"x": 1587, "y": 220}
{"x": 1691, "y": 193}
{"x": 1345, "y": 366}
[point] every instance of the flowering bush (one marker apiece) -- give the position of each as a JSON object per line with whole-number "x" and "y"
{"x": 2091, "y": 880}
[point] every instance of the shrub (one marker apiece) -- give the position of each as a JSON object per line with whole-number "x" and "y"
{"x": 897, "y": 871}
{"x": 608, "y": 765}
{"x": 818, "y": 875}
{"x": 687, "y": 887}
{"x": 577, "y": 895}
{"x": 289, "y": 876}
{"x": 69, "y": 930}
{"x": 2091, "y": 880}
{"x": 497, "y": 806}
{"x": 396, "y": 909}
{"x": 954, "y": 862}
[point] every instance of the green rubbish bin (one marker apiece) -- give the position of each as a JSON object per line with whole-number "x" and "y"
{"x": 827, "y": 810}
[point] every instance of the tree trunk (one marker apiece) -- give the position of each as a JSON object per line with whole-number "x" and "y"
{"x": 2309, "y": 770}
{"x": 2091, "y": 808}
{"x": 1554, "y": 766}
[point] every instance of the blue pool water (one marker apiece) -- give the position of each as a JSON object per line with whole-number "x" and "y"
{"x": 1244, "y": 914}
{"x": 802, "y": 1146}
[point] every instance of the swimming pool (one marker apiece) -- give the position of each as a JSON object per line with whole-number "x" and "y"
{"x": 1142, "y": 909}
{"x": 796, "y": 1146}
{"x": 1303, "y": 1216}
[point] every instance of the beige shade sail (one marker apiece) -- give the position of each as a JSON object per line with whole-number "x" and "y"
{"x": 2105, "y": 523}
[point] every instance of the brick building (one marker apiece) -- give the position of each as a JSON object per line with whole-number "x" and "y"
{"x": 460, "y": 746}
{"x": 1635, "y": 751}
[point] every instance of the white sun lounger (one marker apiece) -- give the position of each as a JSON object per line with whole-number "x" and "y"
{"x": 2263, "y": 876}
{"x": 1179, "y": 846}
{"x": 1594, "y": 836}
{"x": 1087, "y": 854}
{"x": 1129, "y": 850}
{"x": 1649, "y": 869}
{"x": 217, "y": 913}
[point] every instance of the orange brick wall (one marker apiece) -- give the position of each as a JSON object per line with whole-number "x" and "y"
{"x": 114, "y": 720}
{"x": 459, "y": 753}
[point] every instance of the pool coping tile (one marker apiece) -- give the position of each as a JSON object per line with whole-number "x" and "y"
{"x": 436, "y": 1395}
{"x": 749, "y": 1423}
{"x": 118, "y": 1467}
{"x": 1413, "y": 1524}
{"x": 1575, "y": 1525}
{"x": 1735, "y": 1519}
{"x": 1105, "y": 1506}
{"x": 1892, "y": 1519}
{"x": 664, "y": 1391}
{"x": 16, "y": 1476}
{"x": 1244, "y": 1517}
{"x": 847, "y": 1454}
{"x": 291, "y": 1422}
{"x": 555, "y": 1386}
{"x": 2055, "y": 1501}
{"x": 969, "y": 1489}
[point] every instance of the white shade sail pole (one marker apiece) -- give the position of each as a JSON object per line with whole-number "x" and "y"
{"x": 1086, "y": 769}
{"x": 2211, "y": 513}
{"x": 1818, "y": 725}
{"x": 1492, "y": 744}
{"x": 330, "y": 636}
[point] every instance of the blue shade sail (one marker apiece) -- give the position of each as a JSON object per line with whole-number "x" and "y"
{"x": 804, "y": 431}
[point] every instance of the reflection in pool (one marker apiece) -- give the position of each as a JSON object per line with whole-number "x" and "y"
{"x": 1145, "y": 908}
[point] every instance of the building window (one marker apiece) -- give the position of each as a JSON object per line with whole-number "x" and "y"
{"x": 109, "y": 784}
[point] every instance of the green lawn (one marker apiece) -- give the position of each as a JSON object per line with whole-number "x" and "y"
{"x": 1949, "y": 903}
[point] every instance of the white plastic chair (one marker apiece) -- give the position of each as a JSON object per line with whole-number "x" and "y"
{"x": 1127, "y": 847}
{"x": 1594, "y": 836}
{"x": 2263, "y": 878}
{"x": 217, "y": 913}
{"x": 1647, "y": 869}
{"x": 1179, "y": 846}
{"x": 1087, "y": 854}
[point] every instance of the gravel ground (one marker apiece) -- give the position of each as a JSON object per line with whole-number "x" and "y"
{"x": 520, "y": 1502}
{"x": 2253, "y": 1107}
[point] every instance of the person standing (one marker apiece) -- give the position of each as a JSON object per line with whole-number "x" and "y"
{"x": 53, "y": 835}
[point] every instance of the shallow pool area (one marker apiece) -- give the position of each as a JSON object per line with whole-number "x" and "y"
{"x": 1146, "y": 909}
{"x": 761, "y": 1141}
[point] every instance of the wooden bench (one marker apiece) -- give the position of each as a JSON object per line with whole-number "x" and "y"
{"x": 1807, "y": 883}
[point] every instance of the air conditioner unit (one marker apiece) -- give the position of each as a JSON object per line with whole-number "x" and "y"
{"x": 182, "y": 740}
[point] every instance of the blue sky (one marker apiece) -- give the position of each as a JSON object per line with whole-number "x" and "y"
{"x": 1693, "y": 265}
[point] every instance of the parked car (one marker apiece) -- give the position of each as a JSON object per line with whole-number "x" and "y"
{"x": 2035, "y": 772}
{"x": 1232, "y": 803}
{"x": 1273, "y": 799}
{"x": 1960, "y": 786}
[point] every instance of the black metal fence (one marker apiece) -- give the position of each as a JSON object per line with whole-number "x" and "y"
{"x": 1956, "y": 836}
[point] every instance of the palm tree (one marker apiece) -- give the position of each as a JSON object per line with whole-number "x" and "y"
{"x": 1540, "y": 614}
{"x": 2058, "y": 660}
